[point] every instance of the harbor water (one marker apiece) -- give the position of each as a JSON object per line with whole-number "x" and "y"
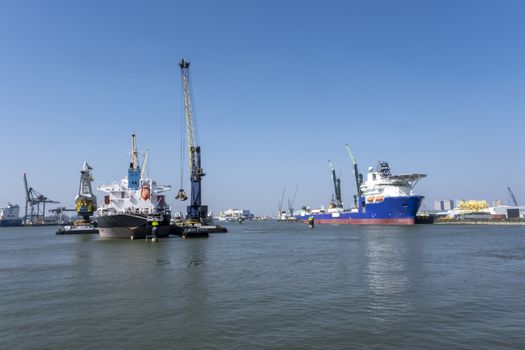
{"x": 266, "y": 285}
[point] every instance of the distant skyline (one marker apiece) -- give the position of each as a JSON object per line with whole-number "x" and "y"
{"x": 279, "y": 87}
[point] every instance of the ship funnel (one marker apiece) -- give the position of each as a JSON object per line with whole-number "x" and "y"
{"x": 181, "y": 196}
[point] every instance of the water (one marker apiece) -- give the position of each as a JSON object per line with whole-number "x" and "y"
{"x": 266, "y": 285}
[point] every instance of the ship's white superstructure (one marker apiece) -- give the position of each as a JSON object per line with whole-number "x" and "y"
{"x": 382, "y": 183}
{"x": 10, "y": 215}
{"x": 147, "y": 200}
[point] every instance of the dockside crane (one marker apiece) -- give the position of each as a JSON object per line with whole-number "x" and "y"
{"x": 512, "y": 197}
{"x": 32, "y": 214}
{"x": 358, "y": 176}
{"x": 338, "y": 203}
{"x": 197, "y": 213}
{"x": 85, "y": 201}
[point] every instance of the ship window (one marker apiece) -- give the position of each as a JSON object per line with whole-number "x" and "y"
{"x": 373, "y": 177}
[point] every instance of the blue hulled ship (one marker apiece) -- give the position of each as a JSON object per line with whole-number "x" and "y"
{"x": 382, "y": 199}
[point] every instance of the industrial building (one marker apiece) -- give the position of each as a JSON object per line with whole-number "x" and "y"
{"x": 441, "y": 205}
{"x": 235, "y": 215}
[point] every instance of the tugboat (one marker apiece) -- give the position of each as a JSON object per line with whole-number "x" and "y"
{"x": 134, "y": 205}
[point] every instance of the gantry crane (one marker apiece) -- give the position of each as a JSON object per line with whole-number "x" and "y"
{"x": 197, "y": 213}
{"x": 32, "y": 214}
{"x": 337, "y": 203}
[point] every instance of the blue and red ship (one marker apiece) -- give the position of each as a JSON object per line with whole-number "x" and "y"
{"x": 383, "y": 199}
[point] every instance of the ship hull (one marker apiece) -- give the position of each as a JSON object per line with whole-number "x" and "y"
{"x": 130, "y": 226}
{"x": 390, "y": 211}
{"x": 10, "y": 223}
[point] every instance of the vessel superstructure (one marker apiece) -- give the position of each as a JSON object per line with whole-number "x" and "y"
{"x": 382, "y": 198}
{"x": 10, "y": 215}
{"x": 133, "y": 204}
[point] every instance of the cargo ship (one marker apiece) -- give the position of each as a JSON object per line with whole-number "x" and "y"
{"x": 9, "y": 216}
{"x": 383, "y": 199}
{"x": 134, "y": 205}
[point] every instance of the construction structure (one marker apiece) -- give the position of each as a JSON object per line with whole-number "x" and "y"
{"x": 291, "y": 203}
{"x": 197, "y": 219}
{"x": 35, "y": 208}
{"x": 513, "y": 200}
{"x": 85, "y": 206}
{"x": 85, "y": 201}
{"x": 337, "y": 201}
{"x": 281, "y": 212}
{"x": 357, "y": 175}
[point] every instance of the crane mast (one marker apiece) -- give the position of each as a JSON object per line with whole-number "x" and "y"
{"x": 134, "y": 166}
{"x": 337, "y": 186}
{"x": 358, "y": 177}
{"x": 512, "y": 197}
{"x": 291, "y": 202}
{"x": 280, "y": 209}
{"x": 196, "y": 211}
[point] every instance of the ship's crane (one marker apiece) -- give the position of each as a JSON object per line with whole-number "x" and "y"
{"x": 196, "y": 211}
{"x": 85, "y": 201}
{"x": 32, "y": 214}
{"x": 134, "y": 172}
{"x": 512, "y": 197}
{"x": 358, "y": 176}
{"x": 337, "y": 186}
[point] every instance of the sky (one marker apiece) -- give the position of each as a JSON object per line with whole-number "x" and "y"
{"x": 279, "y": 88}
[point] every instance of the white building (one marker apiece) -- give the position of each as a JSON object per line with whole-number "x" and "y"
{"x": 235, "y": 215}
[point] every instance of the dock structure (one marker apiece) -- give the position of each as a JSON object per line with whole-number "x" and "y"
{"x": 184, "y": 230}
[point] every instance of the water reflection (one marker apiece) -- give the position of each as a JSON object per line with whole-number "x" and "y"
{"x": 387, "y": 273}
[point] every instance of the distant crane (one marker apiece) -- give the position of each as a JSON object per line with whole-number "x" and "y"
{"x": 358, "y": 176}
{"x": 197, "y": 213}
{"x": 338, "y": 203}
{"x": 32, "y": 214}
{"x": 291, "y": 202}
{"x": 513, "y": 199}
{"x": 280, "y": 206}
{"x": 85, "y": 201}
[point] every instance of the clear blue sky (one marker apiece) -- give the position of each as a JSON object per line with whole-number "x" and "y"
{"x": 280, "y": 87}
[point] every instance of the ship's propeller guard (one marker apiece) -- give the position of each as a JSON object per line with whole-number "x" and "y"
{"x": 181, "y": 196}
